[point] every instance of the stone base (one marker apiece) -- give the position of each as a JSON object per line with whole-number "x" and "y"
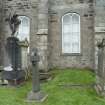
{"x": 100, "y": 91}
{"x": 36, "y": 97}
{"x": 14, "y": 78}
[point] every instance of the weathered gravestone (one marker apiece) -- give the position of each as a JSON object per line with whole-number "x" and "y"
{"x": 100, "y": 72}
{"x": 12, "y": 72}
{"x": 35, "y": 94}
{"x": 14, "y": 76}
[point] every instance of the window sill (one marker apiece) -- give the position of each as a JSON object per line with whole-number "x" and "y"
{"x": 71, "y": 54}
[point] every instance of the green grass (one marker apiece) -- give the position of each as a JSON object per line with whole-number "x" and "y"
{"x": 57, "y": 95}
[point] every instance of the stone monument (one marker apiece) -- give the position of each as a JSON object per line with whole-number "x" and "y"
{"x": 36, "y": 94}
{"x": 100, "y": 72}
{"x": 13, "y": 72}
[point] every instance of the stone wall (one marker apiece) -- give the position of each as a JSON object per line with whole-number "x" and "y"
{"x": 46, "y": 29}
{"x": 42, "y": 34}
{"x": 21, "y": 7}
{"x": 1, "y": 37}
{"x": 99, "y": 24}
{"x": 57, "y": 9}
{"x": 37, "y": 11}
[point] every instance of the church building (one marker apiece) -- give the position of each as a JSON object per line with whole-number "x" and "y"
{"x": 65, "y": 32}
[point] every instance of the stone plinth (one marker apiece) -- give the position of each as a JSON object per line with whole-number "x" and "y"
{"x": 14, "y": 77}
{"x": 36, "y": 96}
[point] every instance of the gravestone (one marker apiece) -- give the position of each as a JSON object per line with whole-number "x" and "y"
{"x": 100, "y": 62}
{"x": 13, "y": 72}
{"x": 14, "y": 52}
{"x": 100, "y": 72}
{"x": 36, "y": 94}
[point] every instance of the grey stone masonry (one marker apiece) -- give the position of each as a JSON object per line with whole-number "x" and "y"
{"x": 85, "y": 9}
{"x": 100, "y": 72}
{"x": 46, "y": 29}
{"x": 1, "y": 37}
{"x": 100, "y": 53}
{"x": 99, "y": 24}
{"x": 42, "y": 34}
{"x": 23, "y": 8}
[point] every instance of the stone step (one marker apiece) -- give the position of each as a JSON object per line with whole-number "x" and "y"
{"x": 45, "y": 76}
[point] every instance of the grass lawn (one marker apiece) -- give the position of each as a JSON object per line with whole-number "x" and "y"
{"x": 58, "y": 95}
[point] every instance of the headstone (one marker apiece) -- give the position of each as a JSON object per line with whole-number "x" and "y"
{"x": 35, "y": 94}
{"x": 13, "y": 72}
{"x": 14, "y": 52}
{"x": 100, "y": 62}
{"x": 100, "y": 72}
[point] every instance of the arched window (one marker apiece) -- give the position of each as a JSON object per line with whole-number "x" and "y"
{"x": 71, "y": 33}
{"x": 24, "y": 28}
